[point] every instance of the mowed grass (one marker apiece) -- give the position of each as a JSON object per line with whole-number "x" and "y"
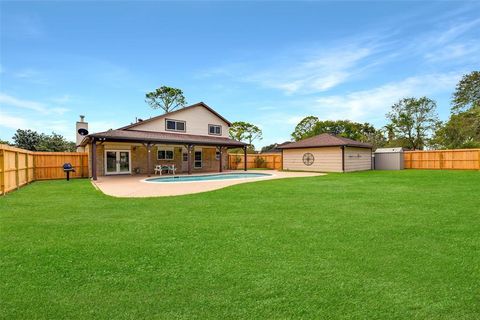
{"x": 370, "y": 245}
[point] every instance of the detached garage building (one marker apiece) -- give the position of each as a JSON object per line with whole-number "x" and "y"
{"x": 327, "y": 153}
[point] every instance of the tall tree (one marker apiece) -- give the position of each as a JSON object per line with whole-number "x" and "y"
{"x": 55, "y": 143}
{"x": 462, "y": 130}
{"x": 414, "y": 121}
{"x": 27, "y": 139}
{"x": 305, "y": 128}
{"x": 34, "y": 141}
{"x": 166, "y": 98}
{"x": 246, "y": 132}
{"x": 390, "y": 130}
{"x": 467, "y": 93}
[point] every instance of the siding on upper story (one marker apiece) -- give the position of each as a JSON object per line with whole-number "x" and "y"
{"x": 327, "y": 159}
{"x": 196, "y": 120}
{"x": 358, "y": 159}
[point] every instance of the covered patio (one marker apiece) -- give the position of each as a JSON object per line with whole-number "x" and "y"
{"x": 132, "y": 149}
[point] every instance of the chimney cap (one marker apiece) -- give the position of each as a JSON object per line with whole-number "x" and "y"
{"x": 82, "y": 118}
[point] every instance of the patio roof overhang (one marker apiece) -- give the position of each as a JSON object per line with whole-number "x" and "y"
{"x": 150, "y": 137}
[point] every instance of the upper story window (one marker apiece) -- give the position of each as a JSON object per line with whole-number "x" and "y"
{"x": 174, "y": 125}
{"x": 214, "y": 129}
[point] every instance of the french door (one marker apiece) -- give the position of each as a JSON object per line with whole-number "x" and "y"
{"x": 117, "y": 162}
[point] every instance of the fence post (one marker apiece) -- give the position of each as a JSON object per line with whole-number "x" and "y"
{"x": 478, "y": 159}
{"x": 26, "y": 167}
{"x": 17, "y": 169}
{"x": 2, "y": 173}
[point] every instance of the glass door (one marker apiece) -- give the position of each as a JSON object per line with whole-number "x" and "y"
{"x": 111, "y": 162}
{"x": 117, "y": 162}
{"x": 124, "y": 162}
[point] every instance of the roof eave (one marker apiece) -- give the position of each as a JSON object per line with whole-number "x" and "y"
{"x": 237, "y": 144}
{"x": 327, "y": 146}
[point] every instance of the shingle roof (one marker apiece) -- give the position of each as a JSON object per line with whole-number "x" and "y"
{"x": 161, "y": 137}
{"x": 325, "y": 140}
{"x": 199, "y": 104}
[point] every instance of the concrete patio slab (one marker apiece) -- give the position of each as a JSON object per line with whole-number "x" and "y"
{"x": 134, "y": 186}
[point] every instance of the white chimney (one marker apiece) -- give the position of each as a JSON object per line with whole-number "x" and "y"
{"x": 81, "y": 125}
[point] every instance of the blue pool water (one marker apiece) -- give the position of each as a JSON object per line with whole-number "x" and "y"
{"x": 209, "y": 177}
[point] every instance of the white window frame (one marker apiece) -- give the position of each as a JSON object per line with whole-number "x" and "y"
{"x": 117, "y": 165}
{"x": 195, "y": 161}
{"x": 176, "y": 124}
{"x": 166, "y": 149}
{"x": 215, "y": 126}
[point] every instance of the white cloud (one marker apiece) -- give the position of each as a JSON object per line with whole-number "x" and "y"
{"x": 45, "y": 125}
{"x": 20, "y": 103}
{"x": 316, "y": 72}
{"x": 36, "y": 106}
{"x": 371, "y": 105}
{"x": 457, "y": 52}
{"x": 455, "y": 31}
{"x": 12, "y": 122}
{"x": 31, "y": 75}
{"x": 452, "y": 42}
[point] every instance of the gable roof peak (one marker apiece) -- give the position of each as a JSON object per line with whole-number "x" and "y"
{"x": 198, "y": 104}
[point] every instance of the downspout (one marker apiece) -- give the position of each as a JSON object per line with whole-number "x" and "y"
{"x": 343, "y": 158}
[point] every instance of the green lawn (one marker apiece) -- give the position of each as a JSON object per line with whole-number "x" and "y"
{"x": 371, "y": 245}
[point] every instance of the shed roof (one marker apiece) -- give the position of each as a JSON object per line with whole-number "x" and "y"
{"x": 325, "y": 140}
{"x": 389, "y": 150}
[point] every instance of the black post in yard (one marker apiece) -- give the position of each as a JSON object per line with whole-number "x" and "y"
{"x": 245, "y": 158}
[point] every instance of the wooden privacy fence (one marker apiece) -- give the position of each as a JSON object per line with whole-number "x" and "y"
{"x": 19, "y": 166}
{"x": 256, "y": 161}
{"x": 16, "y": 168}
{"x": 466, "y": 159}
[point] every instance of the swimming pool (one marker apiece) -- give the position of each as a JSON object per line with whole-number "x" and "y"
{"x": 208, "y": 177}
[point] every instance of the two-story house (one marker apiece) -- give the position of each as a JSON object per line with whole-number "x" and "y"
{"x": 194, "y": 139}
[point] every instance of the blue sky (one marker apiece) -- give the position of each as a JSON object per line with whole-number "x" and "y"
{"x": 267, "y": 63}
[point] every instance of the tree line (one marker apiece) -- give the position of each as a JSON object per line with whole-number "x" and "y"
{"x": 34, "y": 141}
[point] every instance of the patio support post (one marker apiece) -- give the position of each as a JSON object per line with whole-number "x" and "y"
{"x": 149, "y": 151}
{"x": 221, "y": 158}
{"x": 244, "y": 158}
{"x": 94, "y": 159}
{"x": 189, "y": 149}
